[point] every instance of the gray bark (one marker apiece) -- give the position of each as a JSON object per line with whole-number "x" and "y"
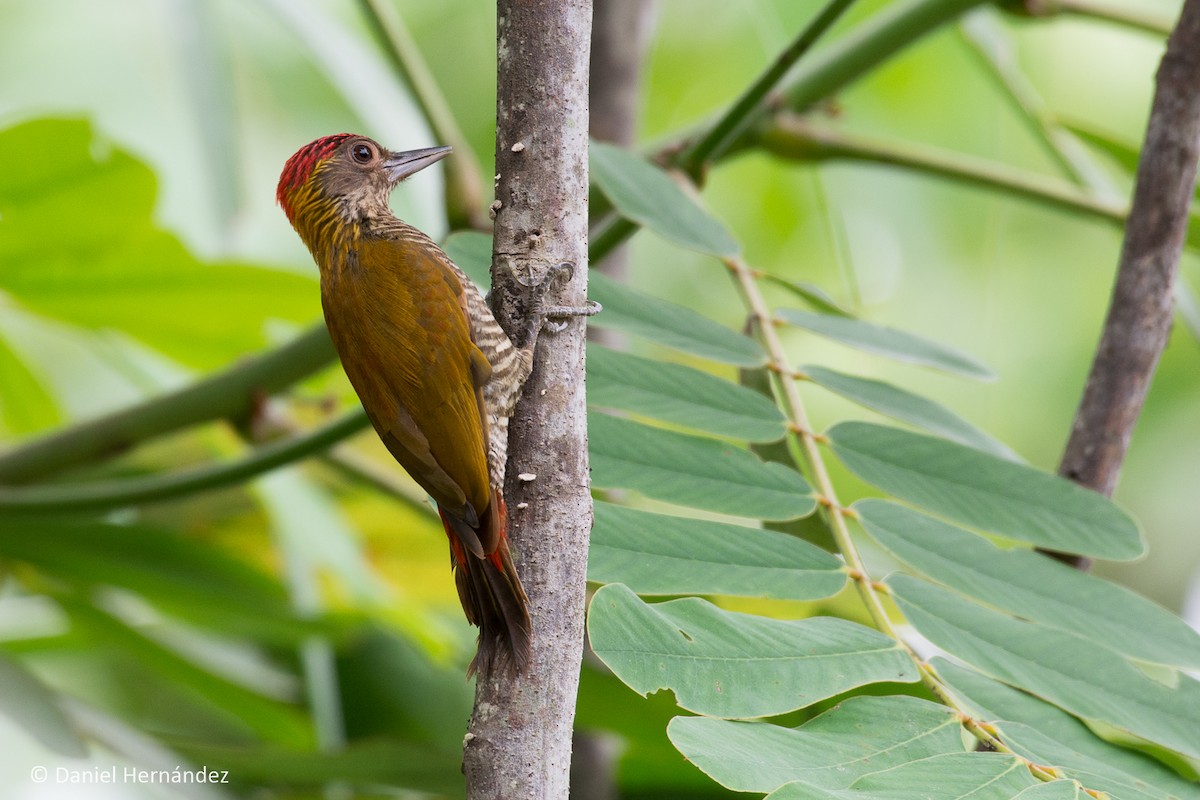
{"x": 1139, "y": 316}
{"x": 519, "y": 739}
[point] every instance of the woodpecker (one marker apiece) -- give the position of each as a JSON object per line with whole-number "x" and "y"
{"x": 434, "y": 370}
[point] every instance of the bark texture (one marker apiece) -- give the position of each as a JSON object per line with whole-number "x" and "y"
{"x": 1139, "y": 316}
{"x": 519, "y": 740}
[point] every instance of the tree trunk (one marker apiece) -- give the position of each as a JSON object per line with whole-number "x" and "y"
{"x": 519, "y": 740}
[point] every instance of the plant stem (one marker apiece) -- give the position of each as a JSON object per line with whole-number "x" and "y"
{"x": 867, "y": 589}
{"x": 231, "y": 394}
{"x": 713, "y": 143}
{"x": 106, "y": 495}
{"x": 464, "y": 189}
{"x": 792, "y": 136}
{"x": 989, "y": 40}
{"x": 1120, "y": 12}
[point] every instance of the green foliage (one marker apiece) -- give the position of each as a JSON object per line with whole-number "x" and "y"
{"x": 80, "y": 246}
{"x": 197, "y": 633}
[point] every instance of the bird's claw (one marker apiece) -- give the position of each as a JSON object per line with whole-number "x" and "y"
{"x": 543, "y": 314}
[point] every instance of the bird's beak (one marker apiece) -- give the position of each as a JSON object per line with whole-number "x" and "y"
{"x": 400, "y": 165}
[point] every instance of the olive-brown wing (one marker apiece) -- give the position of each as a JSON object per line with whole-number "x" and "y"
{"x": 397, "y": 321}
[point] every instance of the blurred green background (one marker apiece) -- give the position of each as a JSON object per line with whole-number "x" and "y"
{"x": 214, "y": 96}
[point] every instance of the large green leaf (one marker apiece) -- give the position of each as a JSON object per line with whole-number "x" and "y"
{"x": 173, "y": 669}
{"x": 680, "y": 395}
{"x": 647, "y": 195}
{"x": 178, "y": 574}
{"x": 1075, "y": 674}
{"x": 379, "y": 760}
{"x": 987, "y": 492}
{"x": 115, "y": 269}
{"x": 907, "y": 407}
{"x": 1062, "y": 740}
{"x": 727, "y": 664}
{"x": 858, "y": 736}
{"x": 667, "y": 323}
{"x": 25, "y": 404}
{"x": 888, "y": 342}
{"x": 689, "y": 471}
{"x": 659, "y": 554}
{"x": 1032, "y": 586}
{"x": 31, "y": 704}
{"x": 948, "y": 776}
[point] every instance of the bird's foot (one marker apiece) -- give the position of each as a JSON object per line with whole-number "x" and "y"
{"x": 542, "y": 314}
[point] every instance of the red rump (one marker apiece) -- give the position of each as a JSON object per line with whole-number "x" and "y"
{"x": 302, "y": 163}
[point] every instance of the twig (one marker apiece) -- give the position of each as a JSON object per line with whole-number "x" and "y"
{"x": 231, "y": 394}
{"x": 738, "y": 116}
{"x": 794, "y": 136}
{"x": 464, "y": 188}
{"x": 1139, "y": 316}
{"x": 105, "y": 495}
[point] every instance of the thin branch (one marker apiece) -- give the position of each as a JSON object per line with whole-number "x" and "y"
{"x": 989, "y": 40}
{"x": 1139, "y": 317}
{"x": 231, "y": 394}
{"x": 106, "y": 495}
{"x": 1120, "y": 12}
{"x": 794, "y": 136}
{"x": 737, "y": 117}
{"x": 464, "y": 188}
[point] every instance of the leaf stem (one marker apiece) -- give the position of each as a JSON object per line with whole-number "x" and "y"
{"x": 990, "y": 41}
{"x": 792, "y": 136}
{"x": 737, "y": 117}
{"x": 106, "y": 495}
{"x": 464, "y": 189}
{"x": 800, "y": 427}
{"x": 1131, "y": 15}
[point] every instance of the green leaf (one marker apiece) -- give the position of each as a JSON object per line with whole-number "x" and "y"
{"x": 116, "y": 269}
{"x": 986, "y": 492}
{"x": 31, "y": 704}
{"x": 907, "y": 407}
{"x": 680, "y": 395}
{"x": 810, "y": 293}
{"x": 948, "y": 776}
{"x": 645, "y": 194}
{"x": 858, "y": 736}
{"x": 1124, "y": 154}
{"x": 25, "y": 405}
{"x": 1062, "y": 740}
{"x": 411, "y": 765}
{"x": 727, "y": 664}
{"x": 472, "y": 252}
{"x": 888, "y": 342}
{"x": 667, "y": 323}
{"x": 250, "y": 711}
{"x": 1029, "y": 585}
{"x": 1089, "y": 681}
{"x": 183, "y": 576}
{"x": 659, "y": 554}
{"x": 689, "y": 471}
{"x": 628, "y": 310}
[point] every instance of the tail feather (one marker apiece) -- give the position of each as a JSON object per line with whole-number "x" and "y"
{"x": 491, "y": 595}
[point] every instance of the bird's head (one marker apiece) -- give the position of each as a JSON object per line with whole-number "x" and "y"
{"x": 348, "y": 175}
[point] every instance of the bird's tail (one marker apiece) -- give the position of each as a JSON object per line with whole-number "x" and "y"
{"x": 491, "y": 594}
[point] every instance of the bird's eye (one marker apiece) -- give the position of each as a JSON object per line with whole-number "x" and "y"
{"x": 362, "y": 153}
